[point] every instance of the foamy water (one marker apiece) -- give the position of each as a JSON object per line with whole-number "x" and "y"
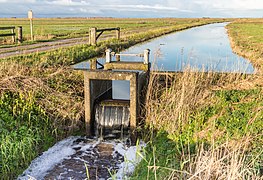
{"x": 77, "y": 149}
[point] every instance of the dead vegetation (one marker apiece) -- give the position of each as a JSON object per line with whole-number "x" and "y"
{"x": 57, "y": 90}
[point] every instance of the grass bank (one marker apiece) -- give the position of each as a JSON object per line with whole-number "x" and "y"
{"x": 41, "y": 98}
{"x": 201, "y": 126}
{"x": 247, "y": 40}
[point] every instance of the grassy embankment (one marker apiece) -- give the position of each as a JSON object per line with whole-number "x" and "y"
{"x": 208, "y": 126}
{"x": 247, "y": 40}
{"x": 41, "y": 98}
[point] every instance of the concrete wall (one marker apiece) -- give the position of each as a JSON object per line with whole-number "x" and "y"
{"x": 97, "y": 83}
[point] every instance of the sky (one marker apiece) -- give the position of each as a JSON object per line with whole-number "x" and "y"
{"x": 132, "y": 8}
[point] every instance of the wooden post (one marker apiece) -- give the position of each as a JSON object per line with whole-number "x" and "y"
{"x": 30, "y": 17}
{"x": 31, "y": 30}
{"x": 20, "y": 34}
{"x": 118, "y": 58}
{"x": 118, "y": 33}
{"x": 93, "y": 64}
{"x": 92, "y": 36}
{"x": 108, "y": 55}
{"x": 146, "y": 56}
{"x": 14, "y": 35}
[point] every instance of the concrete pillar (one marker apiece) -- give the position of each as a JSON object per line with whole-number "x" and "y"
{"x": 108, "y": 55}
{"x": 94, "y": 89}
{"x": 20, "y": 34}
{"x": 146, "y": 56}
{"x": 133, "y": 106}
{"x": 87, "y": 102}
{"x": 92, "y": 36}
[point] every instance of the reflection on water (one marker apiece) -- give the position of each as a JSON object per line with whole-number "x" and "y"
{"x": 121, "y": 89}
{"x": 203, "y": 48}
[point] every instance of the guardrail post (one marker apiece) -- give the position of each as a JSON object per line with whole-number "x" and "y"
{"x": 20, "y": 34}
{"x": 92, "y": 36}
{"x": 146, "y": 56}
{"x": 118, "y": 33}
{"x": 13, "y": 36}
{"x": 108, "y": 55}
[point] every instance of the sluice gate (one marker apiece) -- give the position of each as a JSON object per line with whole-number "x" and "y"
{"x": 112, "y": 118}
{"x": 104, "y": 115}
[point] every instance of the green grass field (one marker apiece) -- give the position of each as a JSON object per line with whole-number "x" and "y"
{"x": 51, "y": 29}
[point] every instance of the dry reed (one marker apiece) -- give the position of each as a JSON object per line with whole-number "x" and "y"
{"x": 172, "y": 98}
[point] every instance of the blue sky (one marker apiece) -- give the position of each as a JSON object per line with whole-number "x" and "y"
{"x": 133, "y": 8}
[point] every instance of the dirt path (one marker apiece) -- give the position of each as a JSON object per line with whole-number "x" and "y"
{"x": 46, "y": 46}
{"x": 53, "y": 45}
{"x": 40, "y": 47}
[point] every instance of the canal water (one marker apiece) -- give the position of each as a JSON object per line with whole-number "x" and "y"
{"x": 204, "y": 48}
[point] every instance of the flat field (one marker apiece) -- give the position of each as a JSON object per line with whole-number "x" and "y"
{"x": 57, "y": 28}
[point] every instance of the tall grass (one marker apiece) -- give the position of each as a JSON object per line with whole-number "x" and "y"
{"x": 25, "y": 128}
{"x": 38, "y": 106}
{"x": 178, "y": 95}
{"x": 202, "y": 127}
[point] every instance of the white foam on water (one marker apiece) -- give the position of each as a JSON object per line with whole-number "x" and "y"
{"x": 62, "y": 150}
{"x": 54, "y": 155}
{"x": 131, "y": 159}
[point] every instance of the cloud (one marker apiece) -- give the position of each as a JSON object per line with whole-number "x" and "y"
{"x": 134, "y": 8}
{"x": 147, "y": 7}
{"x": 91, "y": 11}
{"x": 68, "y": 3}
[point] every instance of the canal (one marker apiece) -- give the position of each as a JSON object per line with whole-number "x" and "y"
{"x": 205, "y": 48}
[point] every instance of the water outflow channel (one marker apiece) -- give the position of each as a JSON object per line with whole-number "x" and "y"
{"x": 205, "y": 48}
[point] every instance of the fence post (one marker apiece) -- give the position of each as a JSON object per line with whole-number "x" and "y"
{"x": 92, "y": 36}
{"x": 108, "y": 55}
{"x": 118, "y": 33}
{"x": 146, "y": 56}
{"x": 20, "y": 34}
{"x": 118, "y": 58}
{"x": 13, "y": 36}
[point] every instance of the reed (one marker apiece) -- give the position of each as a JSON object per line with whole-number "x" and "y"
{"x": 202, "y": 127}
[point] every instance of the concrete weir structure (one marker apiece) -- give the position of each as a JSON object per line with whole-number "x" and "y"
{"x": 98, "y": 86}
